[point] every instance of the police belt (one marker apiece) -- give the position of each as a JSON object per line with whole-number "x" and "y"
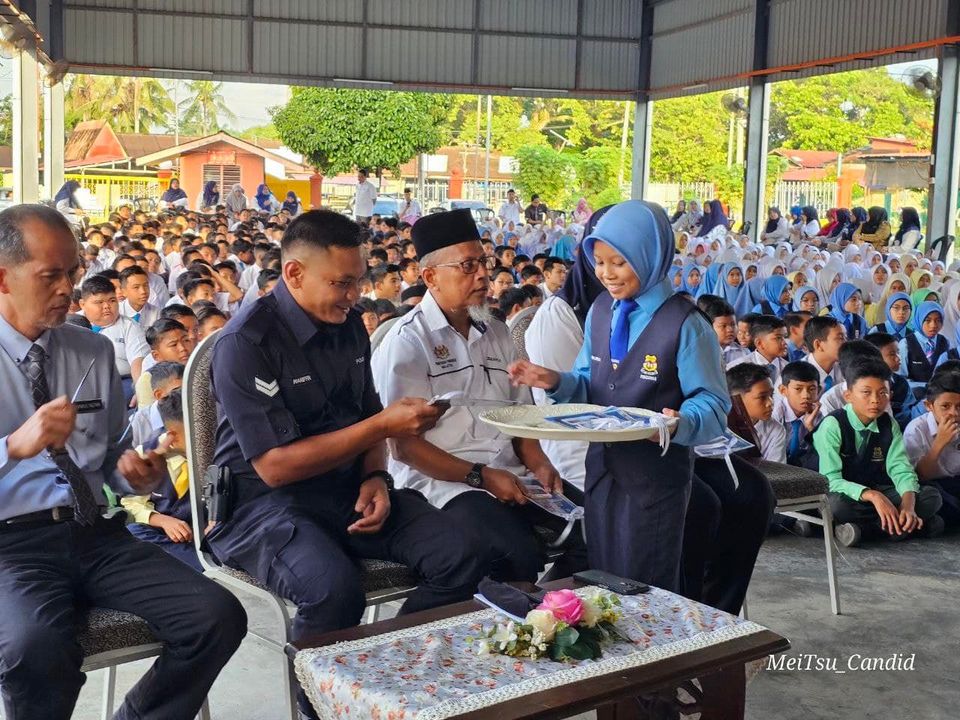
{"x": 44, "y": 517}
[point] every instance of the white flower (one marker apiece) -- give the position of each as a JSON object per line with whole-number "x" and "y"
{"x": 543, "y": 621}
{"x": 591, "y": 612}
{"x": 483, "y": 647}
{"x": 504, "y": 635}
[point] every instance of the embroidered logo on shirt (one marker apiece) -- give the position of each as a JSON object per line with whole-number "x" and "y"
{"x": 650, "y": 369}
{"x": 267, "y": 388}
{"x": 360, "y": 360}
{"x": 441, "y": 352}
{"x": 299, "y": 380}
{"x": 877, "y": 454}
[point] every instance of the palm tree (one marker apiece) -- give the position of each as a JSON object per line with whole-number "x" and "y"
{"x": 128, "y": 104}
{"x": 204, "y": 109}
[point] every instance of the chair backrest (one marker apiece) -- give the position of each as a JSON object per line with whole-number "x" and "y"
{"x": 942, "y": 246}
{"x": 518, "y": 329}
{"x": 380, "y": 333}
{"x": 200, "y": 425}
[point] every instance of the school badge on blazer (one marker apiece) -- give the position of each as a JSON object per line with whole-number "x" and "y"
{"x": 877, "y": 454}
{"x": 650, "y": 369}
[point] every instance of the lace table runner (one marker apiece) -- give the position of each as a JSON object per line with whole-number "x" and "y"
{"x": 430, "y": 672}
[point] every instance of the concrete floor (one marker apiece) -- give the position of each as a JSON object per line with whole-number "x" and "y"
{"x": 896, "y": 598}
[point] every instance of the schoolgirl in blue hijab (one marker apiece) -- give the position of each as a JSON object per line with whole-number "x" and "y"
{"x": 775, "y": 298}
{"x": 898, "y": 319}
{"x": 921, "y": 349}
{"x": 735, "y": 294}
{"x": 845, "y": 304}
{"x": 691, "y": 280}
{"x": 211, "y": 195}
{"x": 710, "y": 278}
{"x": 644, "y": 346}
{"x": 564, "y": 247}
{"x": 264, "y": 198}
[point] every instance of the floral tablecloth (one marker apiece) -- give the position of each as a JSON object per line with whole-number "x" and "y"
{"x": 430, "y": 671}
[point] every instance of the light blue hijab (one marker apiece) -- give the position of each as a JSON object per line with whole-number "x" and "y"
{"x": 773, "y": 288}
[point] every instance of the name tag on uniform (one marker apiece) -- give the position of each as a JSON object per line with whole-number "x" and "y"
{"x": 88, "y": 406}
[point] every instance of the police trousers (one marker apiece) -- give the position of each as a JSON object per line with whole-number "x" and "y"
{"x": 295, "y": 541}
{"x": 49, "y": 573}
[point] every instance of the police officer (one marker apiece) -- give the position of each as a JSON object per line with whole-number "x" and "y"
{"x": 304, "y": 435}
{"x": 56, "y": 549}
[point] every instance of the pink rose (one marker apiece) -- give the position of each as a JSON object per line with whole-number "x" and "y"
{"x": 564, "y": 604}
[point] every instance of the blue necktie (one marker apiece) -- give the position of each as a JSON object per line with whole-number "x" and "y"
{"x": 620, "y": 337}
{"x": 96, "y": 328}
{"x": 136, "y": 317}
{"x": 794, "y": 447}
{"x": 828, "y": 383}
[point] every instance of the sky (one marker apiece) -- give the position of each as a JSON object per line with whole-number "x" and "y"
{"x": 250, "y": 101}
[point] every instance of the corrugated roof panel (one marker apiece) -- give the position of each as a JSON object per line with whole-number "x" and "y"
{"x": 612, "y": 18}
{"x": 681, "y": 13}
{"x": 112, "y": 30}
{"x": 537, "y": 16}
{"x": 687, "y": 57}
{"x": 610, "y": 65}
{"x": 104, "y": 3}
{"x": 411, "y": 55}
{"x": 212, "y": 7}
{"x": 804, "y": 30}
{"x": 302, "y": 49}
{"x": 530, "y": 63}
{"x": 333, "y": 10}
{"x": 424, "y": 13}
{"x": 192, "y": 43}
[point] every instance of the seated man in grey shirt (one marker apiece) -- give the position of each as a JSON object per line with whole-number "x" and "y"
{"x": 61, "y": 439}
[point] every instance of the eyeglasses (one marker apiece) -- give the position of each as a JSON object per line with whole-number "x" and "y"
{"x": 471, "y": 265}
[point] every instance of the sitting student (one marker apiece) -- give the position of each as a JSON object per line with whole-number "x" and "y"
{"x": 872, "y": 483}
{"x": 368, "y": 313}
{"x": 135, "y": 285}
{"x": 165, "y": 378}
{"x": 931, "y": 442}
{"x": 796, "y": 323}
{"x": 897, "y": 311}
{"x": 199, "y": 289}
{"x": 921, "y": 349}
{"x": 209, "y": 320}
{"x": 744, "y": 336}
{"x": 98, "y": 301}
{"x": 846, "y": 302}
{"x": 850, "y": 353}
{"x": 797, "y": 409}
{"x": 774, "y": 297}
{"x": 163, "y": 517}
{"x": 903, "y": 401}
{"x": 752, "y": 383}
{"x": 770, "y": 339}
{"x": 721, "y": 315}
{"x": 825, "y": 336}
{"x": 534, "y": 293}
{"x": 531, "y": 275}
{"x": 512, "y": 301}
{"x": 169, "y": 342}
{"x": 186, "y": 317}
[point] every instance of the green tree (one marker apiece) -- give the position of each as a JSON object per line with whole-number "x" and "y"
{"x": 688, "y": 138}
{"x": 841, "y": 112}
{"x": 6, "y": 120}
{"x": 337, "y": 130}
{"x": 205, "y": 108}
{"x": 128, "y": 104}
{"x": 597, "y": 169}
{"x": 544, "y": 171}
{"x": 260, "y": 132}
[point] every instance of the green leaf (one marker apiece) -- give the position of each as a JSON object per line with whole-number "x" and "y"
{"x": 566, "y": 637}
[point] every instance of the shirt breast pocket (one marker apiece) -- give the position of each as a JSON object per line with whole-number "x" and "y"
{"x": 302, "y": 397}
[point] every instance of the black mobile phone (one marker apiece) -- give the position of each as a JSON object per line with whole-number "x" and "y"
{"x": 613, "y": 583}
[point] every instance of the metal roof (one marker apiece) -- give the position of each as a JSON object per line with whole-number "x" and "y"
{"x": 577, "y": 48}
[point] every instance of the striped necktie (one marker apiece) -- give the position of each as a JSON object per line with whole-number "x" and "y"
{"x": 85, "y": 507}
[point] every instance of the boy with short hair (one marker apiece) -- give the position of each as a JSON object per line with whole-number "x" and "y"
{"x": 744, "y": 337}
{"x": 873, "y": 486}
{"x": 199, "y": 289}
{"x": 931, "y": 442}
{"x": 824, "y": 336}
{"x": 851, "y": 352}
{"x": 98, "y": 303}
{"x": 903, "y": 401}
{"x": 531, "y": 275}
{"x": 722, "y": 316}
{"x": 135, "y": 285}
{"x": 752, "y": 383}
{"x": 164, "y": 516}
{"x": 165, "y": 378}
{"x": 769, "y": 335}
{"x": 796, "y": 322}
{"x": 797, "y": 408}
{"x": 512, "y": 301}
{"x": 209, "y": 320}
{"x": 169, "y": 342}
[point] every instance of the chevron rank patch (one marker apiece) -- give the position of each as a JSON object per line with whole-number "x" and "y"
{"x": 267, "y": 388}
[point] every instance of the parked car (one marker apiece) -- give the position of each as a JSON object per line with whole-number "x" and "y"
{"x": 387, "y": 206}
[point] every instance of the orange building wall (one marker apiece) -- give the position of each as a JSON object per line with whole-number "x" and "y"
{"x": 191, "y": 171}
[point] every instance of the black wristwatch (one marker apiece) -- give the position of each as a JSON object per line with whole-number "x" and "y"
{"x": 383, "y": 474}
{"x": 474, "y": 478}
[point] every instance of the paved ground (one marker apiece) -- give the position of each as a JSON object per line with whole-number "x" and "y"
{"x": 895, "y": 598}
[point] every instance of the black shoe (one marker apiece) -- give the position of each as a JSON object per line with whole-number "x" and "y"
{"x": 804, "y": 528}
{"x": 933, "y": 527}
{"x": 848, "y": 534}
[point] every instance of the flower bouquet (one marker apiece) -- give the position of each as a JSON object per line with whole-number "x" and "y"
{"x": 563, "y": 627}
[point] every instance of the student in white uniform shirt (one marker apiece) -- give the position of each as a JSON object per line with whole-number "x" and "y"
{"x": 553, "y": 341}
{"x": 448, "y": 343}
{"x": 850, "y": 353}
{"x": 825, "y": 336}
{"x": 797, "y": 409}
{"x": 98, "y": 302}
{"x": 135, "y": 285}
{"x": 510, "y": 210}
{"x": 752, "y": 383}
{"x": 554, "y": 275}
{"x": 770, "y": 340}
